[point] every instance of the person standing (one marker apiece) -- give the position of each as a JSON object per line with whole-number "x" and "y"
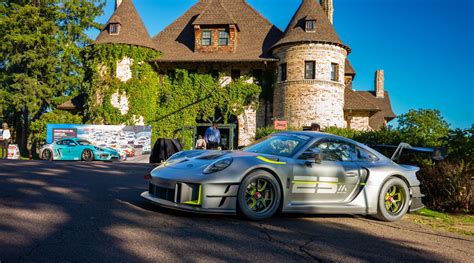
{"x": 315, "y": 127}
{"x": 201, "y": 143}
{"x": 213, "y": 137}
{"x": 5, "y": 140}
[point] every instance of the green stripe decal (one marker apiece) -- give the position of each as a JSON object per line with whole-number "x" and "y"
{"x": 304, "y": 182}
{"x": 261, "y": 158}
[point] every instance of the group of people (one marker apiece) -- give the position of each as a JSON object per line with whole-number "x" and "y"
{"x": 5, "y": 137}
{"x": 211, "y": 140}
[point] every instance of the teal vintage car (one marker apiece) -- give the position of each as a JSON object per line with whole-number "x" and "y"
{"x": 73, "y": 149}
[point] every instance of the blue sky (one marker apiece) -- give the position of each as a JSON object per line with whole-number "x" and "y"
{"x": 424, "y": 46}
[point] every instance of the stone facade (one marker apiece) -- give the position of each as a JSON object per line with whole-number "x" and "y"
{"x": 358, "y": 120}
{"x": 304, "y": 101}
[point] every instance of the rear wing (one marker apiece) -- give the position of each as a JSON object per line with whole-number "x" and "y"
{"x": 437, "y": 154}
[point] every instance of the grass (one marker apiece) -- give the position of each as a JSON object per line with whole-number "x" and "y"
{"x": 455, "y": 223}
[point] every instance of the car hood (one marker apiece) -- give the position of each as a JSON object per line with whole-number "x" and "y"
{"x": 204, "y": 159}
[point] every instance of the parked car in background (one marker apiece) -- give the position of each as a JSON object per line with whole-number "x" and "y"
{"x": 75, "y": 150}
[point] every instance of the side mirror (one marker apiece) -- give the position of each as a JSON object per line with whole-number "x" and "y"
{"x": 312, "y": 155}
{"x": 72, "y": 144}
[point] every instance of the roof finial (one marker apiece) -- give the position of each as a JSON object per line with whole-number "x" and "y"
{"x": 117, "y": 3}
{"x": 328, "y": 7}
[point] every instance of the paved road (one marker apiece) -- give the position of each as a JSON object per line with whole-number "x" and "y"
{"x": 80, "y": 212}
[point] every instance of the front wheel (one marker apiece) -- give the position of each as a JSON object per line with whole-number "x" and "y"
{"x": 394, "y": 200}
{"x": 87, "y": 156}
{"x": 259, "y": 195}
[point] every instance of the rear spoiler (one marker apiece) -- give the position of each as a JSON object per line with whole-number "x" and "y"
{"x": 437, "y": 154}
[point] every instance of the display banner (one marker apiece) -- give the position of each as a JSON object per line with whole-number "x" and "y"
{"x": 132, "y": 141}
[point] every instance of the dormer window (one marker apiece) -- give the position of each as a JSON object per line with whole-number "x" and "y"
{"x": 223, "y": 37}
{"x": 310, "y": 25}
{"x": 114, "y": 29}
{"x": 206, "y": 38}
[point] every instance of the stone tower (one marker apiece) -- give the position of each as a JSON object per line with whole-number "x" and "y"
{"x": 310, "y": 86}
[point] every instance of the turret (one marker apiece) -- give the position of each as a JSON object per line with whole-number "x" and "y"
{"x": 310, "y": 85}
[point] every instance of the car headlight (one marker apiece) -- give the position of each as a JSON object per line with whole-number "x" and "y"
{"x": 218, "y": 166}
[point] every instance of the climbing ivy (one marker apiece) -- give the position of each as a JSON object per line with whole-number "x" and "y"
{"x": 166, "y": 102}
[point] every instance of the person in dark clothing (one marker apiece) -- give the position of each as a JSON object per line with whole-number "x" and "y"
{"x": 315, "y": 127}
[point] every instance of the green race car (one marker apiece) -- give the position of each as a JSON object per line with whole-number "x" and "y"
{"x": 74, "y": 149}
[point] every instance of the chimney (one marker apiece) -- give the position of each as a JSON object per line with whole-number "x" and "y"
{"x": 379, "y": 84}
{"x": 328, "y": 7}
{"x": 117, "y": 3}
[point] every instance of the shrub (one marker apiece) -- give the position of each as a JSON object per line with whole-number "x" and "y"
{"x": 448, "y": 186}
{"x": 265, "y": 131}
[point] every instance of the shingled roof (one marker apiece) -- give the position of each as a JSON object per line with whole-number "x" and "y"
{"x": 377, "y": 120}
{"x": 214, "y": 14}
{"x": 354, "y": 101}
{"x": 132, "y": 30}
{"x": 348, "y": 69}
{"x": 255, "y": 37}
{"x": 324, "y": 30}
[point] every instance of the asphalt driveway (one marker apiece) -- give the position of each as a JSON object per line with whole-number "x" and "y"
{"x": 82, "y": 212}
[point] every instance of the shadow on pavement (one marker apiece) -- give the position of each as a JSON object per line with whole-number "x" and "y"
{"x": 88, "y": 212}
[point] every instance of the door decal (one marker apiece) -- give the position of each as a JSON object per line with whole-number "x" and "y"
{"x": 320, "y": 185}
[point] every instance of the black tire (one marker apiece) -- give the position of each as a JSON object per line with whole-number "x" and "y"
{"x": 259, "y": 196}
{"x": 47, "y": 155}
{"x": 87, "y": 155}
{"x": 394, "y": 200}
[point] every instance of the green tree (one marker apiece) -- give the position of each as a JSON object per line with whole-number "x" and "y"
{"x": 424, "y": 127}
{"x": 40, "y": 58}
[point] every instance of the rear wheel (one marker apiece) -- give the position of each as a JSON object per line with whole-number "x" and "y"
{"x": 47, "y": 155}
{"x": 87, "y": 156}
{"x": 394, "y": 200}
{"x": 259, "y": 196}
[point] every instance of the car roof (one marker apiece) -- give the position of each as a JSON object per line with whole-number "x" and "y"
{"x": 319, "y": 135}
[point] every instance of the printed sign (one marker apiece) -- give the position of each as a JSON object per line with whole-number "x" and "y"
{"x": 59, "y": 134}
{"x": 132, "y": 142}
{"x": 280, "y": 125}
{"x": 13, "y": 152}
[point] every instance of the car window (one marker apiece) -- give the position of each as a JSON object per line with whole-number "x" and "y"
{"x": 84, "y": 143}
{"x": 280, "y": 145}
{"x": 67, "y": 142}
{"x": 364, "y": 155}
{"x": 335, "y": 151}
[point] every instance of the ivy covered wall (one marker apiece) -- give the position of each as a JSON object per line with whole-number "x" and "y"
{"x": 167, "y": 103}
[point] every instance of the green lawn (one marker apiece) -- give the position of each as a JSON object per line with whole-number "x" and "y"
{"x": 455, "y": 223}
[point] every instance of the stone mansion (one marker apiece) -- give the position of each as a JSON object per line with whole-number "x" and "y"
{"x": 313, "y": 82}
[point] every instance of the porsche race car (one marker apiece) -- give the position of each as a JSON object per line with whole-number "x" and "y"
{"x": 73, "y": 149}
{"x": 291, "y": 172}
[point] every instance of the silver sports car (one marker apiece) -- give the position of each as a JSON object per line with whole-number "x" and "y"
{"x": 291, "y": 172}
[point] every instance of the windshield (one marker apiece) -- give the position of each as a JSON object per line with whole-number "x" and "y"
{"x": 84, "y": 143}
{"x": 280, "y": 145}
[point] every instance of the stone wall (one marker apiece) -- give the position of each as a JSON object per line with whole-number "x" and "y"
{"x": 247, "y": 126}
{"x": 304, "y": 101}
{"x": 358, "y": 120}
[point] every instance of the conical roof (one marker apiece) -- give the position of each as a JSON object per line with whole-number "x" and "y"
{"x": 215, "y": 14}
{"x": 324, "y": 31}
{"x": 132, "y": 30}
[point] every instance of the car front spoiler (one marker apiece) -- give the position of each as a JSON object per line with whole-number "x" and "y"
{"x": 183, "y": 207}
